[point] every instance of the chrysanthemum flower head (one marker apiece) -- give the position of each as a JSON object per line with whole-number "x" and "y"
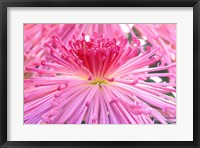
{"x": 96, "y": 79}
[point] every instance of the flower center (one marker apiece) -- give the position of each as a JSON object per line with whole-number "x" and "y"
{"x": 98, "y": 81}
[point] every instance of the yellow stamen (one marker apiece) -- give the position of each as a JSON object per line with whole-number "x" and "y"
{"x": 98, "y": 81}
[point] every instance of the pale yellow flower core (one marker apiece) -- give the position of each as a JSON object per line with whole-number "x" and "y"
{"x": 99, "y": 81}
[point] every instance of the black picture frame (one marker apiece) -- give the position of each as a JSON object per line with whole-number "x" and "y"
{"x": 4, "y": 4}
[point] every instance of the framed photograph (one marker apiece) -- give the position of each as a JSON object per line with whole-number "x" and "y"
{"x": 99, "y": 73}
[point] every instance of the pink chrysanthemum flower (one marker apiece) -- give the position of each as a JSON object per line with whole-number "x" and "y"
{"x": 99, "y": 80}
